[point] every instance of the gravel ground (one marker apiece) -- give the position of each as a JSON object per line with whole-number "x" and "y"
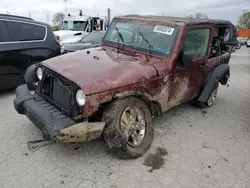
{"x": 204, "y": 148}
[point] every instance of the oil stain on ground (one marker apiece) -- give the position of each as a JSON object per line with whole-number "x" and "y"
{"x": 155, "y": 161}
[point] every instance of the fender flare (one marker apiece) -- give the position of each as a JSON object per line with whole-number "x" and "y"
{"x": 35, "y": 60}
{"x": 155, "y": 107}
{"x": 30, "y": 75}
{"x": 219, "y": 74}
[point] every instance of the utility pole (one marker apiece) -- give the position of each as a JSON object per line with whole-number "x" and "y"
{"x": 66, "y": 7}
{"x": 7, "y": 12}
{"x": 109, "y": 16}
{"x": 29, "y": 15}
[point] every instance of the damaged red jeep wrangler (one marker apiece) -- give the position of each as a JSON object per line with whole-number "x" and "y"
{"x": 145, "y": 66}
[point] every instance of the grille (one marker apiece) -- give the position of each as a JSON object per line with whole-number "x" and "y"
{"x": 60, "y": 92}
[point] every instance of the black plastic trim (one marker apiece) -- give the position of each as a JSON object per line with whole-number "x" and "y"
{"x": 45, "y": 117}
{"x": 220, "y": 74}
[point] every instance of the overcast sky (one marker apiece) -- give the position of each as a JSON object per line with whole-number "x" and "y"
{"x": 38, "y": 9}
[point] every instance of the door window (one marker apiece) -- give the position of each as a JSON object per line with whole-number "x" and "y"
{"x": 26, "y": 32}
{"x": 196, "y": 42}
{"x": 4, "y": 33}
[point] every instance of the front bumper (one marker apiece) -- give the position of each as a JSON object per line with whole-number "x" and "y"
{"x": 54, "y": 125}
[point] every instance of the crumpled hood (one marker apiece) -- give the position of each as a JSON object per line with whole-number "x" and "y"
{"x": 100, "y": 70}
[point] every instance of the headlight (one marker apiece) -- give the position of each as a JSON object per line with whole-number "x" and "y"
{"x": 80, "y": 97}
{"x": 39, "y": 73}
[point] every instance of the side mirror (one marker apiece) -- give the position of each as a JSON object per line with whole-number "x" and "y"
{"x": 184, "y": 60}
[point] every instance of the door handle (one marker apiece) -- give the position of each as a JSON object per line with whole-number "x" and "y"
{"x": 203, "y": 65}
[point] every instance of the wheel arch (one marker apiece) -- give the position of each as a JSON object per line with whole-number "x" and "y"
{"x": 154, "y": 106}
{"x": 220, "y": 74}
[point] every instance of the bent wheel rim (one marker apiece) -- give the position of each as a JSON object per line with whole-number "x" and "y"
{"x": 133, "y": 126}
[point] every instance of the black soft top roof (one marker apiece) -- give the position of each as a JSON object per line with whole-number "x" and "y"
{"x": 187, "y": 21}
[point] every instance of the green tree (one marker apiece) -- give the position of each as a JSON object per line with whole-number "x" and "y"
{"x": 55, "y": 28}
{"x": 244, "y": 20}
{"x": 238, "y": 27}
{"x": 58, "y": 19}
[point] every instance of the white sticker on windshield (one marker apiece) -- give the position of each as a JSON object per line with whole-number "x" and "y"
{"x": 164, "y": 29}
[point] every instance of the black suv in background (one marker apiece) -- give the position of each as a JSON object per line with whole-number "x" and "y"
{"x": 23, "y": 42}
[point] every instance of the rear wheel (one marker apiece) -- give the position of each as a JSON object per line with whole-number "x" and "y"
{"x": 211, "y": 99}
{"x": 129, "y": 130}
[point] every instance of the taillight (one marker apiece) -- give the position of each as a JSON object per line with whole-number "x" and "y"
{"x": 58, "y": 42}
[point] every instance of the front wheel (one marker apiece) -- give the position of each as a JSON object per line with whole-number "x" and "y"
{"x": 129, "y": 130}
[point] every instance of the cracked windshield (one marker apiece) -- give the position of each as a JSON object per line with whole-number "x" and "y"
{"x": 157, "y": 38}
{"x": 125, "y": 94}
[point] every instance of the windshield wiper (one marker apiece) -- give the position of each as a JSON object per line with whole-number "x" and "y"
{"x": 150, "y": 47}
{"x": 118, "y": 41}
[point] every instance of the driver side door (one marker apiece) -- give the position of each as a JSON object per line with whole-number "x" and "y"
{"x": 186, "y": 83}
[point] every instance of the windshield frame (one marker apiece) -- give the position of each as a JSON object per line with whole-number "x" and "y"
{"x": 129, "y": 47}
